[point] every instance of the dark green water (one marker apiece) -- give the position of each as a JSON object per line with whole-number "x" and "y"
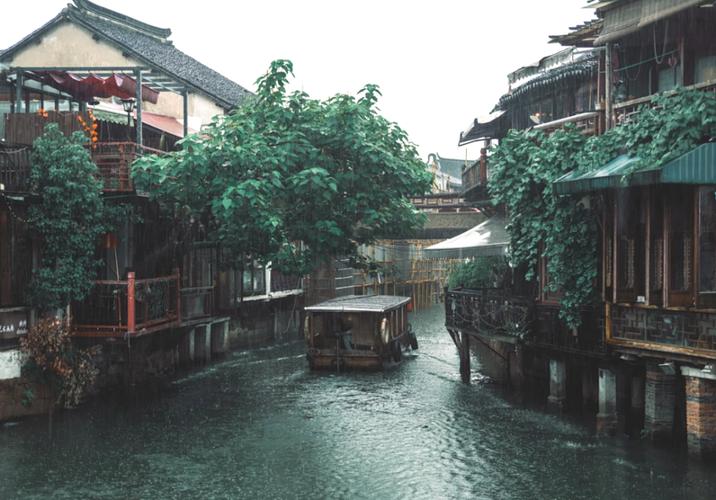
{"x": 260, "y": 425}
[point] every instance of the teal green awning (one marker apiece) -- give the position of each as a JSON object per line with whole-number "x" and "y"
{"x": 698, "y": 166}
{"x": 611, "y": 175}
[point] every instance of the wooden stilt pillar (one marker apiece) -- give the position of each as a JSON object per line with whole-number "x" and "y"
{"x": 465, "y": 358}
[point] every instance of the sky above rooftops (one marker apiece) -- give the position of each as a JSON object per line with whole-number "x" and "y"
{"x": 439, "y": 64}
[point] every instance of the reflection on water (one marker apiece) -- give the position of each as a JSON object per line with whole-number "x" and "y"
{"x": 260, "y": 425}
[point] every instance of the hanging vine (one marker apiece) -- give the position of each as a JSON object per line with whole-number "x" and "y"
{"x": 564, "y": 229}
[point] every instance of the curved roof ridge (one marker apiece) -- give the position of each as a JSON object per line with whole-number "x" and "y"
{"x": 111, "y": 15}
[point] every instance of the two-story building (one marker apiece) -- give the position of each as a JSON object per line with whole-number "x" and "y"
{"x": 125, "y": 83}
{"x": 645, "y": 358}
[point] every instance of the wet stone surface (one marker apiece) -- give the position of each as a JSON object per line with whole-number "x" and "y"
{"x": 260, "y": 425}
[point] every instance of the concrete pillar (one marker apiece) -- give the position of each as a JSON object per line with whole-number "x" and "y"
{"x": 557, "y": 383}
{"x": 700, "y": 412}
{"x": 659, "y": 402}
{"x": 202, "y": 344}
{"x": 607, "y": 416}
{"x": 220, "y": 337}
{"x": 636, "y": 407}
{"x": 186, "y": 348}
{"x": 590, "y": 389}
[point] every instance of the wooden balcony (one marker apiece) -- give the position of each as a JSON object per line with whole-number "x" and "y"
{"x": 498, "y": 314}
{"x": 128, "y": 308}
{"x": 474, "y": 182}
{"x": 113, "y": 159}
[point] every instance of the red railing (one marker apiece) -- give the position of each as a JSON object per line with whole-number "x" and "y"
{"x": 128, "y": 308}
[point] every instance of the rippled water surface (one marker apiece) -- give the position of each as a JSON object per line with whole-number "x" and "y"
{"x": 260, "y": 425}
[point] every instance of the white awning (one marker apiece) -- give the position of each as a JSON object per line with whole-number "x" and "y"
{"x": 488, "y": 238}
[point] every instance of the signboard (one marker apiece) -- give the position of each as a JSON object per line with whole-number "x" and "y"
{"x": 13, "y": 324}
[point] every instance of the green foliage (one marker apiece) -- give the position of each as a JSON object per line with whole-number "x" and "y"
{"x": 480, "y": 272}
{"x": 69, "y": 217}
{"x": 285, "y": 169}
{"x": 54, "y": 361}
{"x": 525, "y": 163}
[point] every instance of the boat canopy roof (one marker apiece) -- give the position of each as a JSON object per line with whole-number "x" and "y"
{"x": 360, "y": 303}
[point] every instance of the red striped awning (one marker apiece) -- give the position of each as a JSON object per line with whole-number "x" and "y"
{"x": 85, "y": 88}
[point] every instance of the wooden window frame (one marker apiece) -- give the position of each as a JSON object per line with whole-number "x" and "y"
{"x": 687, "y": 297}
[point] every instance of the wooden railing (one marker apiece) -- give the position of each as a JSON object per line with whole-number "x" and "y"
{"x": 15, "y": 168}
{"x": 588, "y": 123}
{"x": 624, "y": 111}
{"x": 685, "y": 332}
{"x": 114, "y": 161}
{"x": 128, "y": 308}
{"x": 474, "y": 176}
{"x": 438, "y": 201}
{"x": 24, "y": 128}
{"x": 497, "y": 313}
{"x": 492, "y": 312}
{"x": 283, "y": 282}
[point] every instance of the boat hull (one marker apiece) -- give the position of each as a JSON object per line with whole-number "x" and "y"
{"x": 366, "y": 360}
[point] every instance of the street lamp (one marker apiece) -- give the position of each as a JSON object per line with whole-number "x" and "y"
{"x": 128, "y": 105}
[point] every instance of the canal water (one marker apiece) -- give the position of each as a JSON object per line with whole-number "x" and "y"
{"x": 260, "y": 425}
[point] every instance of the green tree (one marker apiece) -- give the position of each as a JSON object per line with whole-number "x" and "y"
{"x": 290, "y": 179}
{"x": 69, "y": 218}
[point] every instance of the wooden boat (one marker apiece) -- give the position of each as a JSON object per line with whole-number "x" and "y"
{"x": 358, "y": 332}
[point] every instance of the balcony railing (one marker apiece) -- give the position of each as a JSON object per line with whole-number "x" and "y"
{"x": 128, "y": 308}
{"x": 284, "y": 283}
{"x": 588, "y": 123}
{"x": 114, "y": 161}
{"x": 497, "y": 313}
{"x": 489, "y": 312}
{"x": 624, "y": 111}
{"x": 14, "y": 168}
{"x": 24, "y": 128}
{"x": 438, "y": 201}
{"x": 663, "y": 330}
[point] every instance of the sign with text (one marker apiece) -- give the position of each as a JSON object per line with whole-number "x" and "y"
{"x": 13, "y": 324}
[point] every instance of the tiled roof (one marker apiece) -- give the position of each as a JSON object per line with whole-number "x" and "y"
{"x": 148, "y": 44}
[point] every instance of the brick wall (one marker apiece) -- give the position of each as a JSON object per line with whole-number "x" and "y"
{"x": 701, "y": 416}
{"x": 659, "y": 403}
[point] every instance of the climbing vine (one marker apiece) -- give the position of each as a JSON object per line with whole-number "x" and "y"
{"x": 564, "y": 229}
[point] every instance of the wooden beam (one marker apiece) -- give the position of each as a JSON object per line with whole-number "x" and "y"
{"x": 138, "y": 99}
{"x": 185, "y": 116}
{"x": 18, "y": 91}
